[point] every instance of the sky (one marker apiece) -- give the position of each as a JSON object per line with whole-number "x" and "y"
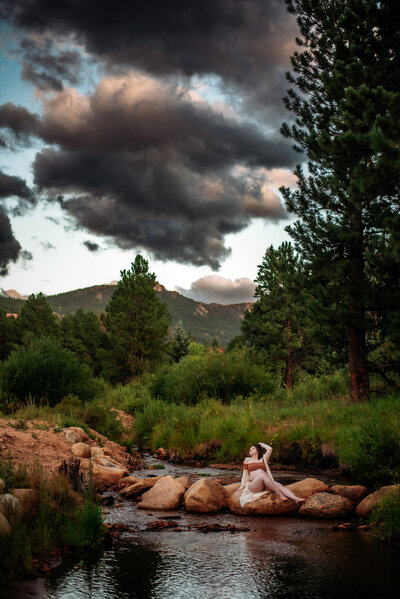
{"x": 145, "y": 127}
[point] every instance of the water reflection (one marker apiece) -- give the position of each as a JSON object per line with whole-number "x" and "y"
{"x": 286, "y": 560}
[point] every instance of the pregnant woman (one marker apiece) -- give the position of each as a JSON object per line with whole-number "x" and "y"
{"x": 257, "y": 477}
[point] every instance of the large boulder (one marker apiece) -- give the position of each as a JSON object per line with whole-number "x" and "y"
{"x": 166, "y": 494}
{"x": 268, "y": 504}
{"x": 9, "y": 503}
{"x": 75, "y": 434}
{"x": 184, "y": 481}
{"x": 326, "y": 505}
{"x": 2, "y": 485}
{"x": 5, "y": 528}
{"x": 205, "y": 495}
{"x": 307, "y": 487}
{"x": 81, "y": 450}
{"x": 230, "y": 489}
{"x": 364, "y": 508}
{"x": 138, "y": 488}
{"x": 108, "y": 475}
{"x": 354, "y": 493}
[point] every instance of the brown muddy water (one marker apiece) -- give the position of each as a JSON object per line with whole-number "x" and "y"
{"x": 275, "y": 558}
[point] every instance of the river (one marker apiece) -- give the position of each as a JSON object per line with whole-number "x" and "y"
{"x": 277, "y": 557}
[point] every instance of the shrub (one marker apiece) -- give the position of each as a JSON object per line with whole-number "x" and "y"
{"x": 386, "y": 517}
{"x": 224, "y": 376}
{"x": 373, "y": 450}
{"x": 46, "y": 371}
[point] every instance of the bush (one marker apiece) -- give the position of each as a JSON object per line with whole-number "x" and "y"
{"x": 373, "y": 450}
{"x": 224, "y": 376}
{"x": 386, "y": 517}
{"x": 45, "y": 371}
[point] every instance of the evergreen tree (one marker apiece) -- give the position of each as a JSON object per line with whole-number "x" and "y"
{"x": 82, "y": 334}
{"x": 37, "y": 319}
{"x": 137, "y": 322}
{"x": 347, "y": 121}
{"x": 277, "y": 323}
{"x": 8, "y": 334}
{"x": 180, "y": 343}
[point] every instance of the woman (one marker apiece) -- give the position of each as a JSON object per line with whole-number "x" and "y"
{"x": 257, "y": 477}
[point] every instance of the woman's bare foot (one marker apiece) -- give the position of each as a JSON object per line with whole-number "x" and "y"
{"x": 300, "y": 500}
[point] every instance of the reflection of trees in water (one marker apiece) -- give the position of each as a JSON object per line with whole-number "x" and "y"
{"x": 125, "y": 571}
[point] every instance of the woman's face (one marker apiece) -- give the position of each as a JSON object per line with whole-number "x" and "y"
{"x": 253, "y": 453}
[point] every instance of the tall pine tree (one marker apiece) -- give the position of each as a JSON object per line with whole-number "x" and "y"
{"x": 347, "y": 73}
{"x": 137, "y": 322}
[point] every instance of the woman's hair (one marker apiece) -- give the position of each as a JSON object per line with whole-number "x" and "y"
{"x": 260, "y": 450}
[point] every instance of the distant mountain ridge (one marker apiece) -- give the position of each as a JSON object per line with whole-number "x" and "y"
{"x": 204, "y": 321}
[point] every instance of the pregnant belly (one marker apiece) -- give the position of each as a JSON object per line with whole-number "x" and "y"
{"x": 253, "y": 475}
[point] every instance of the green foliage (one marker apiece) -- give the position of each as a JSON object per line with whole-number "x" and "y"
{"x": 278, "y": 323}
{"x": 180, "y": 343}
{"x": 9, "y": 334}
{"x": 197, "y": 349}
{"x": 373, "y": 450}
{"x": 346, "y": 119}
{"x": 37, "y": 319}
{"x": 61, "y": 517}
{"x": 137, "y": 322}
{"x": 45, "y": 371}
{"x": 386, "y": 518}
{"x": 82, "y": 334}
{"x": 131, "y": 397}
{"x": 213, "y": 375}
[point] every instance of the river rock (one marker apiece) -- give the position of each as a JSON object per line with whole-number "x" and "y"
{"x": 108, "y": 462}
{"x": 205, "y": 495}
{"x": 166, "y": 494}
{"x": 81, "y": 450}
{"x": 307, "y": 487}
{"x": 9, "y": 503}
{"x": 184, "y": 481}
{"x": 2, "y": 485}
{"x": 75, "y": 434}
{"x": 230, "y": 489}
{"x": 138, "y": 488}
{"x": 268, "y": 504}
{"x": 326, "y": 505}
{"x": 5, "y": 528}
{"x": 96, "y": 452}
{"x": 161, "y": 453}
{"x": 364, "y": 508}
{"x": 108, "y": 475}
{"x": 354, "y": 493}
{"x": 27, "y": 497}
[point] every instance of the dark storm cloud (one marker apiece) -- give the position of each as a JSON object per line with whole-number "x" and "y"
{"x": 221, "y": 290}
{"x": 91, "y": 246}
{"x": 18, "y": 120}
{"x": 15, "y": 187}
{"x": 47, "y": 66}
{"x": 10, "y": 248}
{"x": 246, "y": 43}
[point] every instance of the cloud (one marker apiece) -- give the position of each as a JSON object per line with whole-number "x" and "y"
{"x": 217, "y": 289}
{"x": 46, "y": 245}
{"x": 91, "y": 246}
{"x": 10, "y": 248}
{"x": 246, "y": 44}
{"x": 19, "y": 122}
{"x": 15, "y": 187}
{"x": 47, "y": 66}
{"x": 151, "y": 166}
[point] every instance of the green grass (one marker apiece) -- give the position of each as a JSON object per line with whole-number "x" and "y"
{"x": 61, "y": 517}
{"x": 386, "y": 518}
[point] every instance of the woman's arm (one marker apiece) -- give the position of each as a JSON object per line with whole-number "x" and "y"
{"x": 245, "y": 477}
{"x": 268, "y": 452}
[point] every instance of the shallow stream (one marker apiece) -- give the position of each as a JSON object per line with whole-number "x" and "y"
{"x": 277, "y": 557}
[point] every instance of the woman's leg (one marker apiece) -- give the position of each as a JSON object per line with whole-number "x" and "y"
{"x": 263, "y": 483}
{"x": 289, "y": 493}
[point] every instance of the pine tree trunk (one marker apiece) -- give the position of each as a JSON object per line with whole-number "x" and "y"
{"x": 288, "y": 361}
{"x": 359, "y": 379}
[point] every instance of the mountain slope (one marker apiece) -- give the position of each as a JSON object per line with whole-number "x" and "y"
{"x": 204, "y": 321}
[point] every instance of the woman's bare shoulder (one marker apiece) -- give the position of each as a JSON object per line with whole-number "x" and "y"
{"x": 246, "y": 460}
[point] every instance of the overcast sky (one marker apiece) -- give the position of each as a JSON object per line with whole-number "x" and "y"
{"x": 142, "y": 126}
